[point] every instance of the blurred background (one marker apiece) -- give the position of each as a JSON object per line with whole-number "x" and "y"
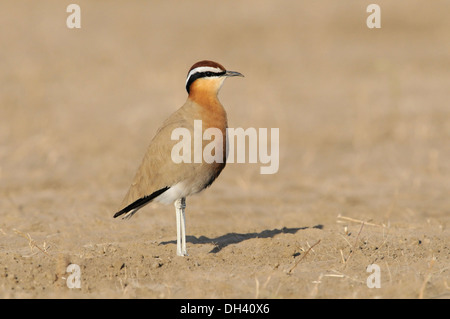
{"x": 363, "y": 113}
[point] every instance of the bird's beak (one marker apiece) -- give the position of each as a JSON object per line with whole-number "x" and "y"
{"x": 233, "y": 73}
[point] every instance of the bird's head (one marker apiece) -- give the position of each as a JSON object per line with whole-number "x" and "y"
{"x": 207, "y": 76}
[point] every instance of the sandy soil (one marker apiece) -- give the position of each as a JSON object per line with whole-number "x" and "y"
{"x": 364, "y": 137}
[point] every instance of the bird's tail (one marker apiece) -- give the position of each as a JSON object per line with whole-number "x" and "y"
{"x": 127, "y": 215}
{"x": 131, "y": 209}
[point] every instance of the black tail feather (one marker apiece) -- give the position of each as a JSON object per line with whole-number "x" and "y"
{"x": 141, "y": 202}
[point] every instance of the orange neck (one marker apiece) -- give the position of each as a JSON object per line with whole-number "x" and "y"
{"x": 204, "y": 94}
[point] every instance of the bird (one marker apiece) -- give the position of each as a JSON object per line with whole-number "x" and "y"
{"x": 159, "y": 178}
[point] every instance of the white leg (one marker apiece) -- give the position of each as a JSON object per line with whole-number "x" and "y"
{"x": 183, "y": 227}
{"x": 180, "y": 205}
{"x": 178, "y": 216}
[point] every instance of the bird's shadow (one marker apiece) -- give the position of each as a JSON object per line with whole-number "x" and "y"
{"x": 235, "y": 238}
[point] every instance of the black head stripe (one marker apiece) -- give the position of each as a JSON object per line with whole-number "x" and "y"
{"x": 199, "y": 75}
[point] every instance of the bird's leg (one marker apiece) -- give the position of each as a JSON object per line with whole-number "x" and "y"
{"x": 183, "y": 227}
{"x": 178, "y": 215}
{"x": 180, "y": 205}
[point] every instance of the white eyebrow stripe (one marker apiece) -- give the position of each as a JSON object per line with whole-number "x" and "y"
{"x": 203, "y": 69}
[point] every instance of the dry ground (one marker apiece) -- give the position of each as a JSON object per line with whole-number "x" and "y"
{"x": 364, "y": 134}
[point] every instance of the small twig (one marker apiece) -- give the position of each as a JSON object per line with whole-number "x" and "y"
{"x": 427, "y": 278}
{"x": 342, "y": 256}
{"x": 31, "y": 242}
{"x": 357, "y": 221}
{"x": 315, "y": 289}
{"x": 304, "y": 255}
{"x": 333, "y": 275}
{"x": 258, "y": 285}
{"x": 354, "y": 245}
{"x": 342, "y": 275}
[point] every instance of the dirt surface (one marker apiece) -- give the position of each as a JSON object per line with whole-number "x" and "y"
{"x": 364, "y": 168}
